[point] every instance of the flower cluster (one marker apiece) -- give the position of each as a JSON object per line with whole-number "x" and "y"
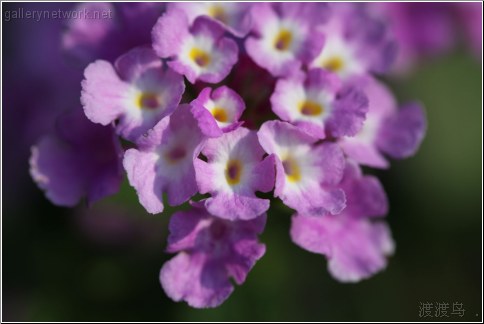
{"x": 279, "y": 98}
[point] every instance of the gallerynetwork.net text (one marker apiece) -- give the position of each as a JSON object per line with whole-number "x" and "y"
{"x": 39, "y": 15}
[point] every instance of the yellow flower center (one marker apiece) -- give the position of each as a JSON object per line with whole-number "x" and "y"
{"x": 283, "y": 40}
{"x": 148, "y": 100}
{"x": 310, "y": 108}
{"x": 220, "y": 114}
{"x": 218, "y": 12}
{"x": 292, "y": 170}
{"x": 200, "y": 57}
{"x": 233, "y": 172}
{"x": 334, "y": 64}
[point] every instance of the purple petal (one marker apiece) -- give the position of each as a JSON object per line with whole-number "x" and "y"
{"x": 402, "y": 133}
{"x": 184, "y": 227}
{"x": 272, "y": 132}
{"x": 365, "y": 196}
{"x": 136, "y": 62}
{"x": 356, "y": 249}
{"x": 205, "y": 173}
{"x": 360, "y": 251}
{"x": 246, "y": 253}
{"x": 264, "y": 174}
{"x": 102, "y": 93}
{"x": 141, "y": 168}
{"x": 53, "y": 169}
{"x": 349, "y": 113}
{"x": 188, "y": 277}
{"x": 169, "y": 32}
{"x": 331, "y": 161}
{"x": 364, "y": 153}
{"x": 80, "y": 159}
{"x": 308, "y": 233}
{"x": 233, "y": 206}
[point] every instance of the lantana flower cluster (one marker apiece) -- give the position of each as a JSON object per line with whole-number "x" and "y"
{"x": 232, "y": 104}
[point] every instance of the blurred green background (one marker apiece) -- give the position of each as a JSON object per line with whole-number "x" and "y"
{"x": 102, "y": 263}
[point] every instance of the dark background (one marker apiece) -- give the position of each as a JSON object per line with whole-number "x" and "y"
{"x": 102, "y": 263}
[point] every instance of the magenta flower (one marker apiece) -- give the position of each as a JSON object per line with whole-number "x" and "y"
{"x": 286, "y": 35}
{"x": 233, "y": 16}
{"x": 388, "y": 130}
{"x": 355, "y": 246}
{"x": 210, "y": 252}
{"x": 319, "y": 103}
{"x": 218, "y": 111}
{"x": 136, "y": 92}
{"x": 199, "y": 51}
{"x": 234, "y": 171}
{"x": 163, "y": 163}
{"x": 79, "y": 160}
{"x": 306, "y": 173}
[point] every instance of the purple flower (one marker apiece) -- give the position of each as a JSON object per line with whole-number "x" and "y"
{"x": 137, "y": 92}
{"x": 306, "y": 174}
{"x": 200, "y": 51}
{"x": 421, "y": 29}
{"x": 163, "y": 163}
{"x": 387, "y": 129}
{"x": 211, "y": 251}
{"x": 78, "y": 160}
{"x": 356, "y": 247}
{"x": 286, "y": 35}
{"x": 219, "y": 111}
{"x": 320, "y": 104}
{"x": 109, "y": 29}
{"x": 356, "y": 42}
{"x": 233, "y": 16}
{"x": 234, "y": 171}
